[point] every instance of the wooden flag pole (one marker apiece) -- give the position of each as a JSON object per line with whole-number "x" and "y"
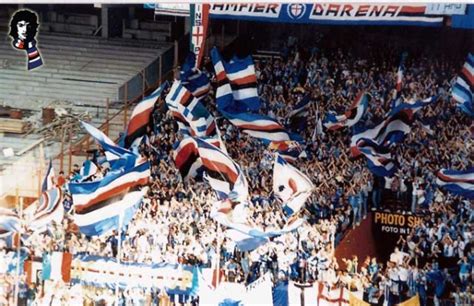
{"x": 18, "y": 263}
{"x": 119, "y": 257}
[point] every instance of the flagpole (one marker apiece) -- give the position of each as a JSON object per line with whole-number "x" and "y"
{"x": 218, "y": 255}
{"x": 17, "y": 283}
{"x": 119, "y": 257}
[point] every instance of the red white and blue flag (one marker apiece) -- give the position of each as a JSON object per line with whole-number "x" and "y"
{"x": 239, "y": 75}
{"x": 98, "y": 205}
{"x": 463, "y": 89}
{"x": 50, "y": 208}
{"x": 194, "y": 79}
{"x": 351, "y": 116}
{"x": 459, "y": 182}
{"x": 141, "y": 117}
{"x": 48, "y": 181}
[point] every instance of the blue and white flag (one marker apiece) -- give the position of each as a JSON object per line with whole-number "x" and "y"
{"x": 392, "y": 129}
{"x": 48, "y": 181}
{"x": 98, "y": 205}
{"x": 463, "y": 89}
{"x": 194, "y": 79}
{"x": 381, "y": 164}
{"x": 117, "y": 156}
{"x": 291, "y": 186}
{"x": 242, "y": 81}
{"x": 88, "y": 169}
{"x": 192, "y": 116}
{"x": 459, "y": 182}
{"x": 9, "y": 222}
{"x": 351, "y": 116}
{"x": 50, "y": 208}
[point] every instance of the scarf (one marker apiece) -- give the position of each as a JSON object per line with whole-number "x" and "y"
{"x": 34, "y": 57}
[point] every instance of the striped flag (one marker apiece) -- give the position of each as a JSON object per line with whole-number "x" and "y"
{"x": 392, "y": 129}
{"x": 297, "y": 117}
{"x": 48, "y": 181}
{"x": 50, "y": 208}
{"x": 9, "y": 222}
{"x": 242, "y": 81}
{"x": 186, "y": 158}
{"x": 288, "y": 150}
{"x": 98, "y": 205}
{"x": 459, "y": 182}
{"x": 351, "y": 116}
{"x": 381, "y": 164}
{"x": 57, "y": 266}
{"x": 141, "y": 117}
{"x": 192, "y": 116}
{"x": 400, "y": 72}
{"x": 290, "y": 185}
{"x": 463, "y": 89}
{"x": 194, "y": 79}
{"x": 117, "y": 156}
{"x": 223, "y": 174}
{"x": 88, "y": 169}
{"x": 258, "y": 126}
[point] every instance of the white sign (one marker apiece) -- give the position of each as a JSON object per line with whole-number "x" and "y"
{"x": 445, "y": 9}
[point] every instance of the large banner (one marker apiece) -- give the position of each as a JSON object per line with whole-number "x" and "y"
{"x": 106, "y": 272}
{"x": 327, "y": 13}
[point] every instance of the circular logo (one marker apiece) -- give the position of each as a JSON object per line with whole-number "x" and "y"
{"x": 296, "y": 10}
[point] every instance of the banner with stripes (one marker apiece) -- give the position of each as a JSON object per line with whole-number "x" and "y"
{"x": 141, "y": 117}
{"x": 458, "y": 182}
{"x": 463, "y": 89}
{"x": 353, "y": 115}
{"x": 194, "y": 79}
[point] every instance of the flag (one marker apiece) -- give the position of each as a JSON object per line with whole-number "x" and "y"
{"x": 400, "y": 72}
{"x": 238, "y": 79}
{"x": 99, "y": 204}
{"x": 258, "y": 126}
{"x": 9, "y": 222}
{"x": 290, "y": 185}
{"x": 356, "y": 111}
{"x": 192, "y": 115}
{"x": 141, "y": 117}
{"x": 33, "y": 269}
{"x": 50, "y": 209}
{"x": 199, "y": 14}
{"x": 245, "y": 242}
{"x": 48, "y": 181}
{"x": 117, "y": 156}
{"x": 186, "y": 158}
{"x": 109, "y": 215}
{"x": 381, "y": 164}
{"x": 463, "y": 89}
{"x": 88, "y": 169}
{"x": 459, "y": 182}
{"x": 57, "y": 266}
{"x": 392, "y": 129}
{"x": 288, "y": 150}
{"x": 194, "y": 79}
{"x": 223, "y": 174}
{"x": 414, "y": 301}
{"x": 297, "y": 117}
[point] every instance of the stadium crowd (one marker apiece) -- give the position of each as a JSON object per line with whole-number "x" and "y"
{"x": 435, "y": 261}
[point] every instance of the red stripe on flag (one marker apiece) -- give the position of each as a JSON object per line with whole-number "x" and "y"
{"x": 139, "y": 120}
{"x": 110, "y": 193}
{"x": 220, "y": 167}
{"x": 468, "y": 76}
{"x": 245, "y": 80}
